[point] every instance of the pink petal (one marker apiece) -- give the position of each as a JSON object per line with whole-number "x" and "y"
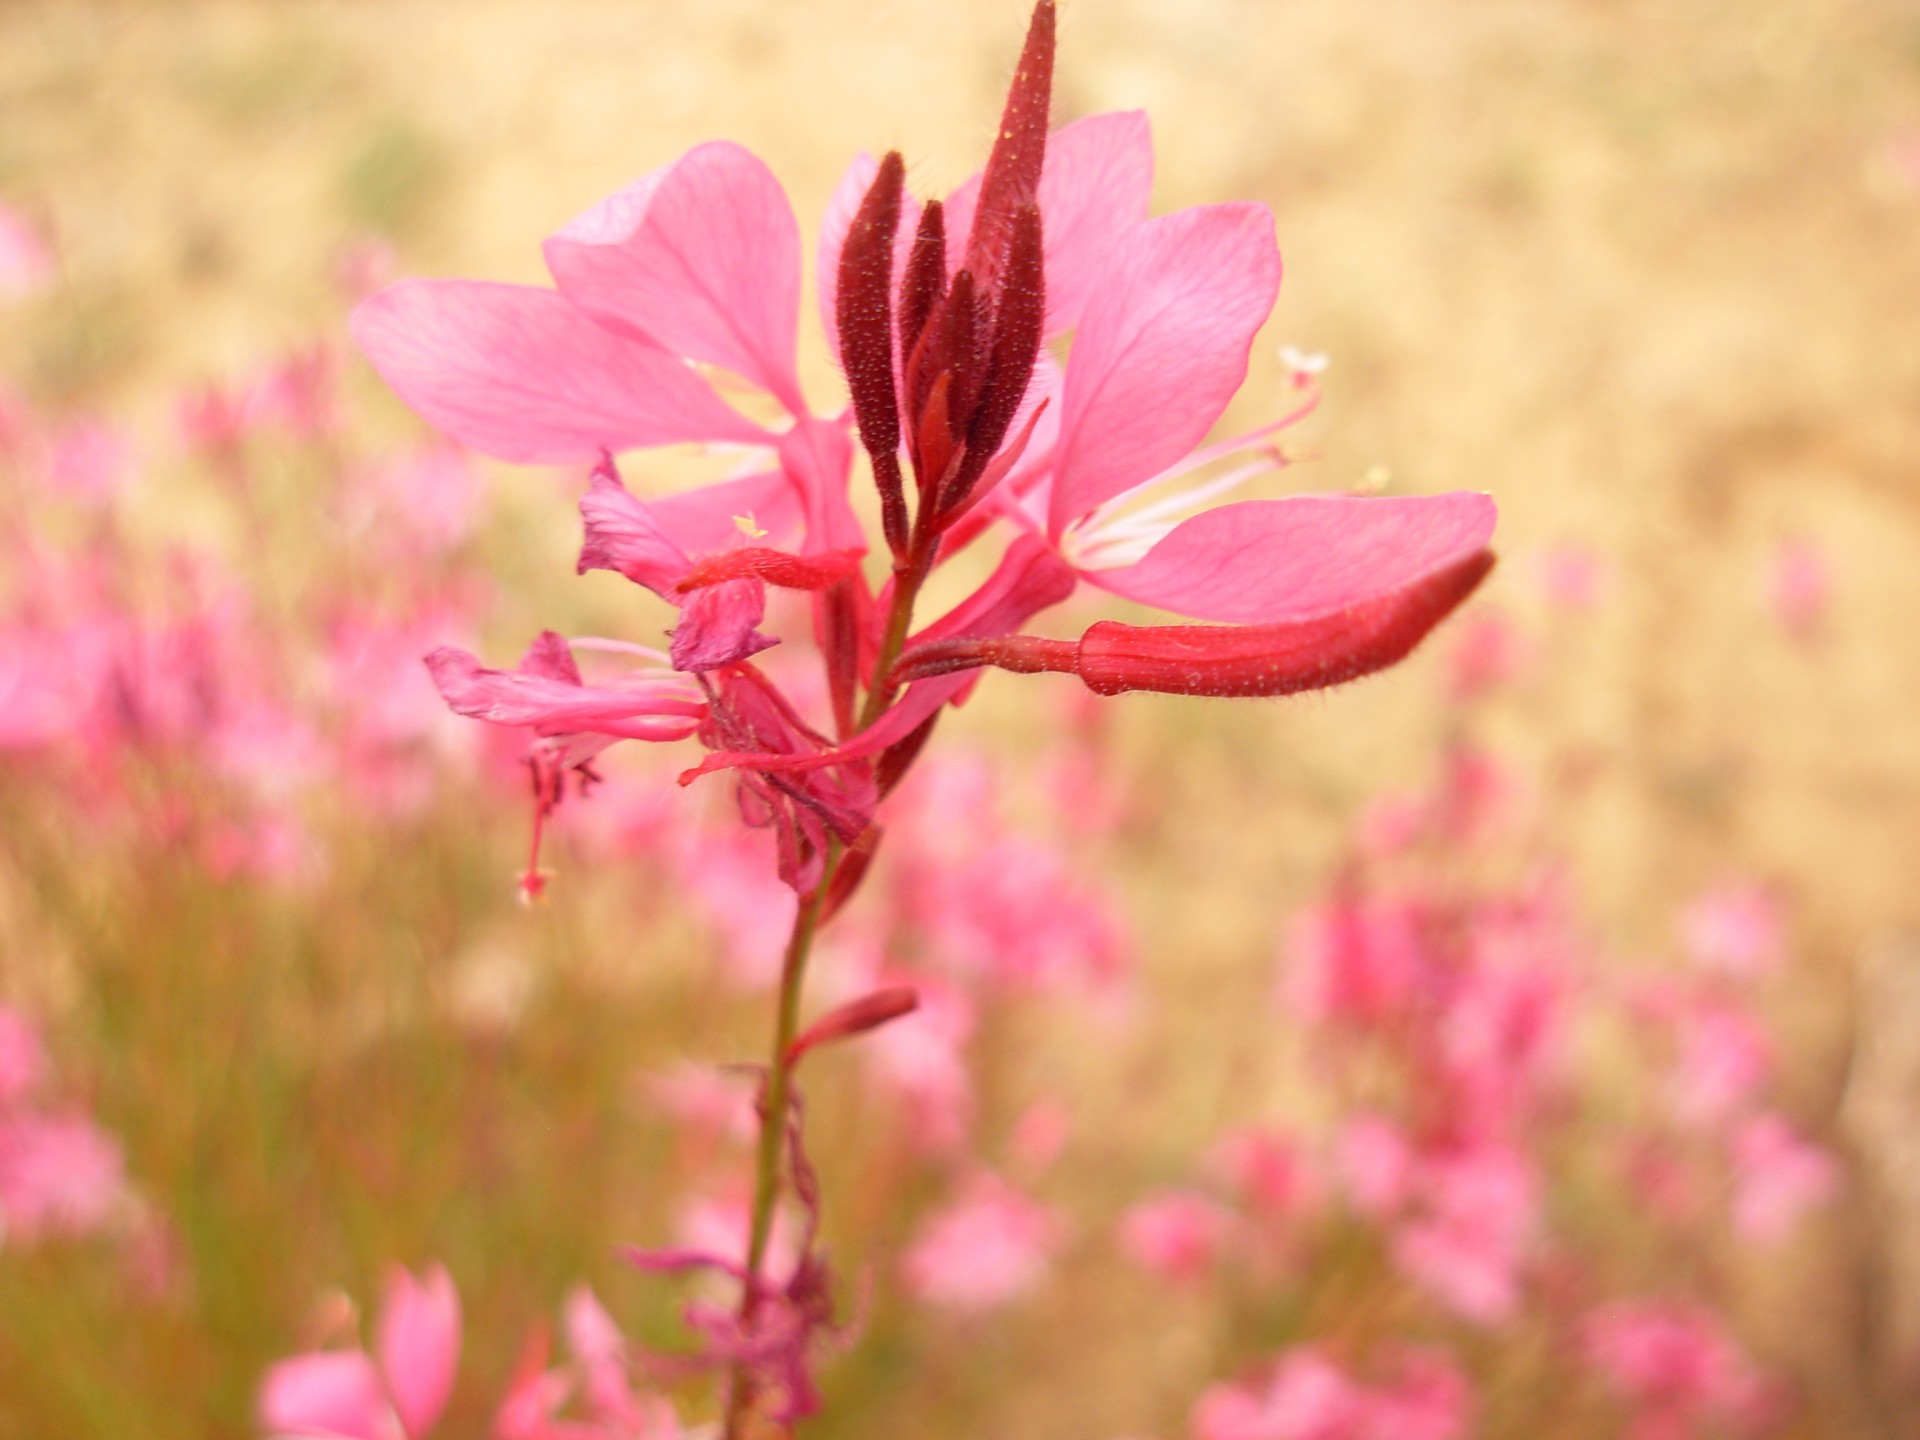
{"x": 1161, "y": 349}
{"x": 654, "y": 542}
{"x": 554, "y": 707}
{"x": 332, "y": 1393}
{"x": 518, "y": 373}
{"x": 1261, "y": 561}
{"x": 818, "y": 457}
{"x": 704, "y": 257}
{"x": 419, "y": 1345}
{"x": 1095, "y": 187}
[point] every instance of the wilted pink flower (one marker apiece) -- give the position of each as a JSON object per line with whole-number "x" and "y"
{"x": 397, "y": 1393}
{"x": 1176, "y": 1235}
{"x": 1677, "y": 1368}
{"x": 60, "y": 1176}
{"x": 987, "y": 1249}
{"x": 26, "y": 265}
{"x": 1735, "y": 929}
{"x": 1777, "y": 1177}
{"x": 1800, "y": 588}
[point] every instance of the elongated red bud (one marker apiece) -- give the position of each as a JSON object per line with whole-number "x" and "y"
{"x": 856, "y": 1017}
{"x": 924, "y": 282}
{"x": 1226, "y": 660}
{"x": 1012, "y": 176}
{"x": 864, "y": 314}
{"x": 1018, "y": 322}
{"x": 954, "y": 344}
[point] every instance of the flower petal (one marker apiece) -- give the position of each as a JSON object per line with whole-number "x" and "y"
{"x": 419, "y": 1345}
{"x": 554, "y": 707}
{"x": 1261, "y": 561}
{"x": 517, "y": 373}
{"x": 717, "y": 626}
{"x": 1161, "y": 349}
{"x": 703, "y": 257}
{"x": 335, "y": 1394}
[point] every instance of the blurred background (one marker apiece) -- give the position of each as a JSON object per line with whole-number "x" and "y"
{"x": 1640, "y": 268}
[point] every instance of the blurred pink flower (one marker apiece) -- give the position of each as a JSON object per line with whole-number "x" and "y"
{"x": 23, "y": 1060}
{"x": 1269, "y": 1173}
{"x": 90, "y": 461}
{"x": 1474, "y": 1231}
{"x": 1375, "y": 1165}
{"x": 60, "y": 1176}
{"x": 1485, "y": 654}
{"x": 984, "y": 1251}
{"x": 1175, "y": 1235}
{"x": 1570, "y": 576}
{"x": 26, "y": 265}
{"x": 1722, "y": 1062}
{"x": 1777, "y": 1177}
{"x": 1800, "y": 587}
{"x": 1677, "y": 1368}
{"x": 589, "y": 1398}
{"x": 1309, "y": 1397}
{"x": 397, "y": 1393}
{"x": 1735, "y": 929}
{"x": 1038, "y": 1137}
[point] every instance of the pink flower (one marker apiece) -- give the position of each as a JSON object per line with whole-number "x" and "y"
{"x": 1778, "y": 1177}
{"x": 1375, "y": 1165}
{"x": 1724, "y": 1060}
{"x": 988, "y": 1249}
{"x": 1269, "y": 1173}
{"x": 1735, "y": 929}
{"x": 1176, "y": 1235}
{"x": 26, "y": 265}
{"x": 1800, "y": 588}
{"x": 1474, "y": 1233}
{"x": 591, "y": 1397}
{"x": 60, "y": 1176}
{"x": 1570, "y": 576}
{"x": 23, "y": 1060}
{"x": 1308, "y": 1397}
{"x": 1677, "y": 1367}
{"x": 397, "y": 1393}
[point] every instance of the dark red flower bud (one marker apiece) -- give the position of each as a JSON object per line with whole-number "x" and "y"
{"x": 1241, "y": 660}
{"x": 864, "y": 314}
{"x": 1012, "y": 177}
{"x": 856, "y": 1017}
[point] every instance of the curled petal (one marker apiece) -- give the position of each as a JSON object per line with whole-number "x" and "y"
{"x": 856, "y": 1017}
{"x": 518, "y": 373}
{"x": 1263, "y": 561}
{"x": 775, "y": 567}
{"x": 703, "y": 257}
{"x": 717, "y": 626}
{"x": 1161, "y": 349}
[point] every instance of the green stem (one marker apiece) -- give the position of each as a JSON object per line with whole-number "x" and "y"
{"x": 773, "y": 1122}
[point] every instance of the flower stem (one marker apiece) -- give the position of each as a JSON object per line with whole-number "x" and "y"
{"x": 774, "y": 1101}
